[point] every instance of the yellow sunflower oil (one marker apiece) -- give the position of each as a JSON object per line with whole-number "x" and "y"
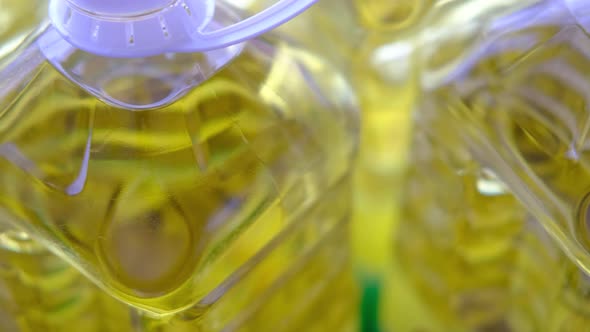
{"x": 494, "y": 212}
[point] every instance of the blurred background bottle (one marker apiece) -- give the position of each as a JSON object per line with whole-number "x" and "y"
{"x": 504, "y": 121}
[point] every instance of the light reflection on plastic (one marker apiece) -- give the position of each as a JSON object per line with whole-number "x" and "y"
{"x": 244, "y": 4}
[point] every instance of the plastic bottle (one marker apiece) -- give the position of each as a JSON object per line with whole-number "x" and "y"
{"x": 502, "y": 121}
{"x": 173, "y": 164}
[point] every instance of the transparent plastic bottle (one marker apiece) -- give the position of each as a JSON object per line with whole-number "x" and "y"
{"x": 494, "y": 214}
{"x": 179, "y": 180}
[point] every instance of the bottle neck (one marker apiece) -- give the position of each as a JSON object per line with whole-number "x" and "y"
{"x": 169, "y": 75}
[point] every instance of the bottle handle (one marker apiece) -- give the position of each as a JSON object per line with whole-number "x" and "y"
{"x": 268, "y": 19}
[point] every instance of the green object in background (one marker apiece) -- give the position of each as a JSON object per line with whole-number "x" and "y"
{"x": 369, "y": 306}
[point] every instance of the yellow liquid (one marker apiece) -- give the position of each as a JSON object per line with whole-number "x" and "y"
{"x": 458, "y": 238}
{"x": 478, "y": 259}
{"x": 475, "y": 258}
{"x": 17, "y": 19}
{"x": 387, "y": 16}
{"x": 151, "y": 204}
{"x": 41, "y": 292}
{"x": 312, "y": 291}
{"x": 356, "y": 35}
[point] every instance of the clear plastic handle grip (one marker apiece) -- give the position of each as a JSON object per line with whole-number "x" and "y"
{"x": 268, "y": 19}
